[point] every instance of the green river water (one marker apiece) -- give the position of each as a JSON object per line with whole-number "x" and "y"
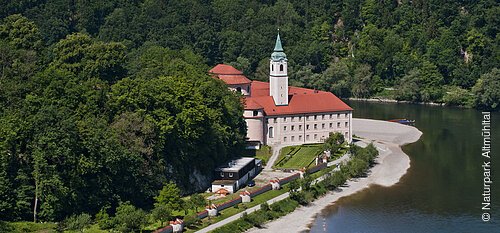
{"x": 443, "y": 189}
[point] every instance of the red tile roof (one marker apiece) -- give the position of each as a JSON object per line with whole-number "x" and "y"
{"x": 229, "y": 75}
{"x": 234, "y": 79}
{"x": 225, "y": 69}
{"x": 301, "y": 101}
{"x": 250, "y": 104}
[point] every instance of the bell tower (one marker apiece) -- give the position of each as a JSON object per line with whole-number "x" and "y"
{"x": 278, "y": 77}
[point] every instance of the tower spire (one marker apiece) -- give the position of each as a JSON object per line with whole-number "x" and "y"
{"x": 277, "y": 46}
{"x": 278, "y": 77}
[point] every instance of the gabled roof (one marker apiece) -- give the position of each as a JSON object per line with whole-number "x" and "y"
{"x": 225, "y": 69}
{"x": 229, "y": 75}
{"x": 251, "y": 104}
{"x": 234, "y": 79}
{"x": 301, "y": 101}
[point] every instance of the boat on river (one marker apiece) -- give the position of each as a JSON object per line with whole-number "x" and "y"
{"x": 403, "y": 121}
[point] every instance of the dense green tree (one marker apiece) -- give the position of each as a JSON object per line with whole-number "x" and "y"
{"x": 128, "y": 218}
{"x": 161, "y": 213}
{"x": 78, "y": 222}
{"x": 169, "y": 196}
{"x": 333, "y": 142}
{"x": 197, "y": 201}
{"x": 487, "y": 92}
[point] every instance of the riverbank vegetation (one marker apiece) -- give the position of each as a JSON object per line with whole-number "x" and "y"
{"x": 304, "y": 191}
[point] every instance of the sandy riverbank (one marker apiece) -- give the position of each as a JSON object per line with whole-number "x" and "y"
{"x": 392, "y": 165}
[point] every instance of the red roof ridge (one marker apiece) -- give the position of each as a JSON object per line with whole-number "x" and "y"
{"x": 225, "y": 70}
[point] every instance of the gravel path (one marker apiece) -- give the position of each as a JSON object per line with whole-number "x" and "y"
{"x": 272, "y": 160}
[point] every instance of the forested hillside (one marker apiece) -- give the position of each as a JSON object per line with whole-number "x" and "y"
{"x": 105, "y": 101}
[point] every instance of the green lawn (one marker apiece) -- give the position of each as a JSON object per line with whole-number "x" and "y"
{"x": 259, "y": 199}
{"x": 299, "y": 156}
{"x": 27, "y": 227}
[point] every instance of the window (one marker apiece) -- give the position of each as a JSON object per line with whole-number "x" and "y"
{"x": 281, "y": 67}
{"x": 346, "y": 134}
{"x": 346, "y": 124}
{"x": 271, "y": 132}
{"x": 307, "y": 127}
{"x": 338, "y": 124}
{"x": 315, "y": 126}
{"x": 284, "y": 139}
{"x": 248, "y": 89}
{"x": 308, "y": 117}
{"x": 255, "y": 113}
{"x": 338, "y": 115}
{"x": 222, "y": 174}
{"x": 293, "y": 119}
{"x": 274, "y": 120}
{"x": 238, "y": 89}
{"x": 272, "y": 68}
{"x": 307, "y": 137}
{"x": 284, "y": 128}
{"x": 323, "y": 117}
{"x": 331, "y": 125}
{"x": 315, "y": 117}
{"x": 315, "y": 136}
{"x": 300, "y": 118}
{"x": 323, "y": 126}
{"x": 300, "y": 127}
{"x": 284, "y": 119}
{"x": 293, "y": 127}
{"x": 331, "y": 116}
{"x": 300, "y": 137}
{"x": 230, "y": 174}
{"x": 346, "y": 115}
{"x": 293, "y": 138}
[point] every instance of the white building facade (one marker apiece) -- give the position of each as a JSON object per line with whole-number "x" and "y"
{"x": 277, "y": 114}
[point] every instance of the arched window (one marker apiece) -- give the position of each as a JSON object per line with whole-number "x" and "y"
{"x": 281, "y": 67}
{"x": 271, "y": 132}
{"x": 272, "y": 67}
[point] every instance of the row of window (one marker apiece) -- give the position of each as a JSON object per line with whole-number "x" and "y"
{"x": 323, "y": 126}
{"x": 315, "y": 117}
{"x": 315, "y": 137}
{"x": 230, "y": 174}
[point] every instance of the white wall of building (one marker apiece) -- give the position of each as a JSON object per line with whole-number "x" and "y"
{"x": 278, "y": 82}
{"x": 255, "y": 125}
{"x": 307, "y": 128}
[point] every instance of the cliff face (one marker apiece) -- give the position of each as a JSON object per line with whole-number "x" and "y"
{"x": 198, "y": 181}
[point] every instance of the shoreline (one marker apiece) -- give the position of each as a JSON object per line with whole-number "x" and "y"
{"x": 392, "y": 164}
{"x": 381, "y": 100}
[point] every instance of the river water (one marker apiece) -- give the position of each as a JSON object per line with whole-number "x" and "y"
{"x": 443, "y": 189}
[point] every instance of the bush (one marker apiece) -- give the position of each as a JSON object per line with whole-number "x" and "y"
{"x": 257, "y": 219}
{"x": 128, "y": 218}
{"x": 264, "y": 206}
{"x": 103, "y": 220}
{"x": 457, "y": 96}
{"x": 191, "y": 221}
{"x": 78, "y": 222}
